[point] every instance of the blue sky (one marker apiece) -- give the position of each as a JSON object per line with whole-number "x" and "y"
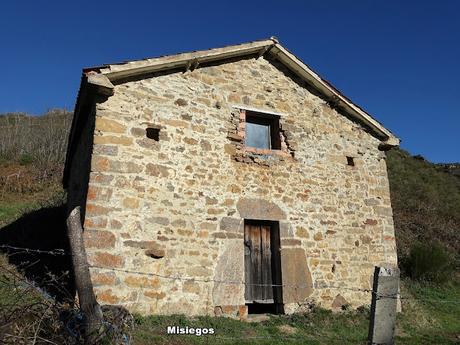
{"x": 399, "y": 60}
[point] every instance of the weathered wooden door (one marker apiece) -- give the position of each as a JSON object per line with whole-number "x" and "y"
{"x": 258, "y": 262}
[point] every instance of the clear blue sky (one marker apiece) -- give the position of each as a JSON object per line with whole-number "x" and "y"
{"x": 399, "y": 60}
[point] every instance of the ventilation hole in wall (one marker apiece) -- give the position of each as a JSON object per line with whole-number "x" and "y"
{"x": 350, "y": 161}
{"x": 155, "y": 253}
{"x": 153, "y": 133}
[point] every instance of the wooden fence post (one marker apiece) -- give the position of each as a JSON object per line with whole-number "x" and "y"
{"x": 383, "y": 308}
{"x": 88, "y": 304}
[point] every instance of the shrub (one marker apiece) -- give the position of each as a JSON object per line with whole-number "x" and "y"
{"x": 26, "y": 159}
{"x": 43, "y": 138}
{"x": 429, "y": 262}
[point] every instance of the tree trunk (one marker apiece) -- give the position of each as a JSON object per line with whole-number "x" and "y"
{"x": 88, "y": 304}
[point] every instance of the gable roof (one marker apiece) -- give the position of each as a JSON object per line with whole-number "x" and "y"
{"x": 101, "y": 80}
{"x": 104, "y": 76}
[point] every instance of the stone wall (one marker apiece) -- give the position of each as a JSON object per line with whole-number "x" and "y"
{"x": 174, "y": 207}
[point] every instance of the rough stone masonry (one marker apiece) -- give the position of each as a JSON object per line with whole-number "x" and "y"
{"x": 172, "y": 204}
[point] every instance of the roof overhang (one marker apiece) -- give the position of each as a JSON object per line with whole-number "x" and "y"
{"x": 104, "y": 77}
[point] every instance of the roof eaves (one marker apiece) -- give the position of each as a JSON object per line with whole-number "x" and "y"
{"x": 301, "y": 69}
{"x": 115, "y": 72}
{"x": 134, "y": 68}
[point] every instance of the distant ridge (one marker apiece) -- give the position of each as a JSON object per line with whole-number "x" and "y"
{"x": 450, "y": 168}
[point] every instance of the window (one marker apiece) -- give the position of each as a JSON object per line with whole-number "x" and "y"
{"x": 262, "y": 131}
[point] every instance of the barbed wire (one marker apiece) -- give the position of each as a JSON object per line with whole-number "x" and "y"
{"x": 62, "y": 252}
{"x": 192, "y": 279}
{"x": 229, "y": 282}
{"x": 38, "y": 251}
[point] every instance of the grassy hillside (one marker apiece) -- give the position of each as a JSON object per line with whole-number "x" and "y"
{"x": 426, "y": 203}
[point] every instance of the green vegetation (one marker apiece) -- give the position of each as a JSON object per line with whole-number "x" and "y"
{"x": 430, "y": 316}
{"x": 15, "y": 203}
{"x": 426, "y": 203}
{"x": 317, "y": 327}
{"x": 26, "y": 315}
{"x": 428, "y": 262}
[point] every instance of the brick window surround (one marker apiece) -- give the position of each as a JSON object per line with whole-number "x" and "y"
{"x": 283, "y": 151}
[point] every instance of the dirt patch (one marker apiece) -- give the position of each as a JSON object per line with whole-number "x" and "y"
{"x": 286, "y": 329}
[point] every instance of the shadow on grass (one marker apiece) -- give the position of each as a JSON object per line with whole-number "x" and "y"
{"x": 45, "y": 230}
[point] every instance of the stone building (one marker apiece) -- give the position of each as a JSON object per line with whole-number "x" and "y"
{"x": 228, "y": 181}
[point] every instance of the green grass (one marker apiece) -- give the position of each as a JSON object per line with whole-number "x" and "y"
{"x": 13, "y": 291}
{"x": 13, "y": 206}
{"x": 318, "y": 327}
{"x": 10, "y": 211}
{"x": 430, "y": 316}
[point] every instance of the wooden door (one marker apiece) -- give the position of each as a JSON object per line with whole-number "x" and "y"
{"x": 258, "y": 263}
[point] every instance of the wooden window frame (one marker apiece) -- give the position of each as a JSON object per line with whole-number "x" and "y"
{"x": 272, "y": 122}
{"x": 279, "y": 147}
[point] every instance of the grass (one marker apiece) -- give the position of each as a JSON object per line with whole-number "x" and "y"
{"x": 433, "y": 316}
{"x": 12, "y": 288}
{"x": 425, "y": 201}
{"x": 430, "y": 316}
{"x": 27, "y": 195}
{"x": 318, "y": 327}
{"x": 12, "y": 207}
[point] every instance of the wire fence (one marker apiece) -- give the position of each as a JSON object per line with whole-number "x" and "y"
{"x": 49, "y": 316}
{"x": 62, "y": 252}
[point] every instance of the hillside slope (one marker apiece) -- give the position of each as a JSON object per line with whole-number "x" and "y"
{"x": 426, "y": 202}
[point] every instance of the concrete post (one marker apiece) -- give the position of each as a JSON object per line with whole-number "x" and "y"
{"x": 383, "y": 307}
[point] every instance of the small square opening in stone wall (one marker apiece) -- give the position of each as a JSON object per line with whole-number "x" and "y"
{"x": 350, "y": 161}
{"x": 153, "y": 133}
